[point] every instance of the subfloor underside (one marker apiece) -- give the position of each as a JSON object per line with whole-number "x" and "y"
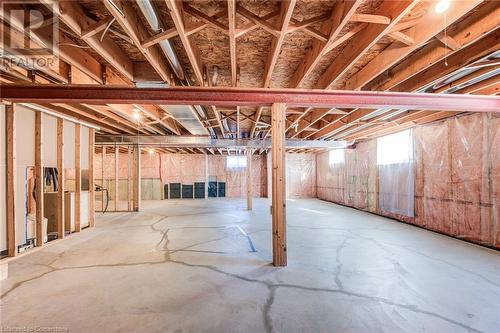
{"x": 204, "y": 266}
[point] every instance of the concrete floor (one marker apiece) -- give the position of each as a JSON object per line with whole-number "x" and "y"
{"x": 203, "y": 266}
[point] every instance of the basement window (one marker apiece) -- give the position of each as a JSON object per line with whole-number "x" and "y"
{"x": 395, "y": 148}
{"x": 236, "y": 162}
{"x": 336, "y": 156}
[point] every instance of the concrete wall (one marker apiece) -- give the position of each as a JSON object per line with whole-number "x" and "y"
{"x": 457, "y": 178}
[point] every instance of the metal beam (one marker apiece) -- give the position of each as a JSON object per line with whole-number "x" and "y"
{"x": 207, "y": 142}
{"x": 247, "y": 97}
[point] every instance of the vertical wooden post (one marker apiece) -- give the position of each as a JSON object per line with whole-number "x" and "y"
{"x": 206, "y": 175}
{"x": 137, "y": 179}
{"x": 11, "y": 179}
{"x": 129, "y": 187}
{"x": 91, "y": 178}
{"x": 60, "y": 179}
{"x": 249, "y": 179}
{"x": 103, "y": 151}
{"x": 278, "y": 119}
{"x": 78, "y": 178}
{"x": 117, "y": 153}
{"x": 39, "y": 183}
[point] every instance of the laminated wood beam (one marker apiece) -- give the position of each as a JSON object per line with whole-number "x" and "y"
{"x": 278, "y": 121}
{"x": 78, "y": 178}
{"x": 39, "y": 179}
{"x": 10, "y": 205}
{"x": 91, "y": 178}
{"x": 60, "y": 180}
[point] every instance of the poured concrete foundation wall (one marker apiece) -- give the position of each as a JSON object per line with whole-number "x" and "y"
{"x": 456, "y": 177}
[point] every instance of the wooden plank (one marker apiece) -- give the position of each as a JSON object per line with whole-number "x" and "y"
{"x": 103, "y": 158}
{"x": 10, "y": 206}
{"x": 95, "y": 28}
{"x": 249, "y": 179}
{"x": 370, "y": 18}
{"x": 205, "y": 18}
{"x": 91, "y": 178}
{"x": 262, "y": 23}
{"x": 278, "y": 123}
{"x": 117, "y": 157}
{"x": 39, "y": 183}
{"x": 155, "y": 39}
{"x": 60, "y": 179}
{"x": 401, "y": 37}
{"x": 78, "y": 178}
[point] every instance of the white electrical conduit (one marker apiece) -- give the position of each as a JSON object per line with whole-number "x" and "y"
{"x": 58, "y": 115}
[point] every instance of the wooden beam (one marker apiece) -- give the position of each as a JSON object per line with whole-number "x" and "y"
{"x": 137, "y": 179}
{"x": 78, "y": 178}
{"x": 231, "y": 14}
{"x": 430, "y": 25}
{"x": 205, "y": 18}
{"x": 129, "y": 179}
{"x": 127, "y": 17}
{"x": 117, "y": 157}
{"x": 155, "y": 39}
{"x": 370, "y": 18}
{"x": 60, "y": 223}
{"x": 278, "y": 121}
{"x": 176, "y": 12}
{"x": 341, "y": 13}
{"x": 262, "y": 23}
{"x": 91, "y": 178}
{"x": 10, "y": 205}
{"x": 39, "y": 179}
{"x": 287, "y": 7}
{"x": 95, "y": 27}
{"x": 401, "y": 37}
{"x": 103, "y": 158}
{"x": 358, "y": 45}
{"x": 249, "y": 180}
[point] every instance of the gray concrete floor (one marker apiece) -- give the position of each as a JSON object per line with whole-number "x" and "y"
{"x": 203, "y": 266}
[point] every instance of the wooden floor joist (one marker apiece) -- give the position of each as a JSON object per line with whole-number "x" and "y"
{"x": 278, "y": 124}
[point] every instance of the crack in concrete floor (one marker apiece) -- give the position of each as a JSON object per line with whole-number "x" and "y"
{"x": 272, "y": 287}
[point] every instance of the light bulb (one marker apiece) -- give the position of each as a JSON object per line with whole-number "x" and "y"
{"x": 136, "y": 115}
{"x": 151, "y": 151}
{"x": 442, "y": 6}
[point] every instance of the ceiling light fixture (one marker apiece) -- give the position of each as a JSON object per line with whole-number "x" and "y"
{"x": 151, "y": 151}
{"x": 442, "y": 6}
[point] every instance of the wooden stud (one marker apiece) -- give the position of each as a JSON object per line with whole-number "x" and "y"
{"x": 78, "y": 178}
{"x": 11, "y": 179}
{"x": 39, "y": 183}
{"x": 137, "y": 179}
{"x": 60, "y": 180}
{"x": 278, "y": 123}
{"x": 129, "y": 185}
{"x": 249, "y": 179}
{"x": 103, "y": 157}
{"x": 91, "y": 178}
{"x": 117, "y": 156}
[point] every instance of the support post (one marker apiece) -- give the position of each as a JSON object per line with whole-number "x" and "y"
{"x": 91, "y": 178}
{"x": 78, "y": 178}
{"x": 39, "y": 183}
{"x": 11, "y": 179}
{"x": 137, "y": 179}
{"x": 117, "y": 153}
{"x": 129, "y": 187}
{"x": 249, "y": 179}
{"x": 206, "y": 175}
{"x": 60, "y": 179}
{"x": 103, "y": 157}
{"x": 278, "y": 120}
